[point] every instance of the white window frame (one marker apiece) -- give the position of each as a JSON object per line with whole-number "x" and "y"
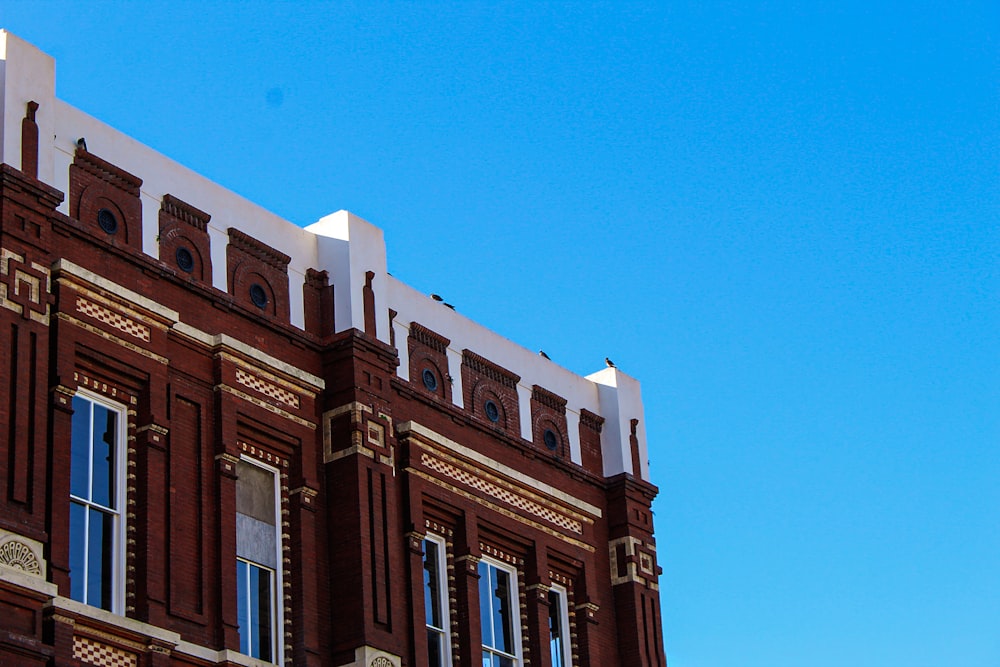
{"x": 277, "y": 592}
{"x": 445, "y": 611}
{"x": 515, "y": 600}
{"x": 563, "y": 595}
{"x": 118, "y": 531}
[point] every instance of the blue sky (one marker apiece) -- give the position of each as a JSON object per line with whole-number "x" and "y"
{"x": 781, "y": 217}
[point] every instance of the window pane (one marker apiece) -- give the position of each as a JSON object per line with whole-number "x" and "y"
{"x": 105, "y": 437}
{"x": 502, "y": 616}
{"x": 432, "y": 585}
{"x": 556, "y": 634}
{"x": 260, "y": 592}
{"x": 79, "y": 474}
{"x": 77, "y": 550}
{"x": 485, "y": 604}
{"x": 243, "y": 605}
{"x": 435, "y": 656}
{"x": 100, "y": 542}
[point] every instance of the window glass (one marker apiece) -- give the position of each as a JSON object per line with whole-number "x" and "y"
{"x": 497, "y": 591}
{"x": 435, "y": 602}
{"x": 94, "y": 516}
{"x": 558, "y": 628}
{"x": 257, "y": 548}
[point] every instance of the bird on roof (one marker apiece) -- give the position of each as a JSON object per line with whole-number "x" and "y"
{"x": 81, "y": 143}
{"x": 610, "y": 363}
{"x": 437, "y": 297}
{"x": 541, "y": 353}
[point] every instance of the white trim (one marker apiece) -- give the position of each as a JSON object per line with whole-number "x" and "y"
{"x": 277, "y": 603}
{"x": 445, "y": 611}
{"x": 515, "y": 610}
{"x": 564, "y": 624}
{"x": 117, "y": 510}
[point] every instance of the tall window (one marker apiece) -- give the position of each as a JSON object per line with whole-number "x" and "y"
{"x": 498, "y": 615}
{"x": 436, "y": 603}
{"x": 559, "y": 644}
{"x": 96, "y": 496}
{"x": 257, "y": 557}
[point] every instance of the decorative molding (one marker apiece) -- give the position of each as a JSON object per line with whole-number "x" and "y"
{"x": 591, "y": 420}
{"x": 17, "y": 555}
{"x": 115, "y": 320}
{"x": 107, "y": 172}
{"x": 265, "y": 405}
{"x": 265, "y": 253}
{"x": 132, "y": 347}
{"x": 481, "y": 461}
{"x": 185, "y": 212}
{"x": 25, "y": 288}
{"x": 317, "y": 279}
{"x": 499, "y": 554}
{"x": 501, "y": 494}
{"x": 431, "y": 339}
{"x": 548, "y": 399}
{"x": 270, "y": 390}
{"x": 499, "y": 509}
{"x": 638, "y": 560}
{"x": 93, "y": 652}
{"x": 490, "y": 370}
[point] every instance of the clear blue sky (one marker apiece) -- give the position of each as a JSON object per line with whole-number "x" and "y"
{"x": 781, "y": 217}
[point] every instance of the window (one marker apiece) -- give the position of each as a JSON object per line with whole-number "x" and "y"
{"x": 258, "y": 550}
{"x": 498, "y": 615}
{"x": 559, "y": 644}
{"x": 96, "y": 496}
{"x": 436, "y": 603}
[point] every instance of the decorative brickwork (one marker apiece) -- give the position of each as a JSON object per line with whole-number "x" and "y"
{"x": 485, "y": 383}
{"x": 501, "y": 494}
{"x": 548, "y": 422}
{"x": 105, "y": 199}
{"x": 428, "y": 354}
{"x": 184, "y": 240}
{"x": 93, "y": 652}
{"x": 258, "y": 275}
{"x": 368, "y": 459}
{"x": 19, "y": 556}
{"x": 25, "y": 288}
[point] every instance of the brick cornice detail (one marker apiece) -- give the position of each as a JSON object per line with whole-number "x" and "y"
{"x": 108, "y": 172}
{"x": 16, "y": 179}
{"x": 262, "y": 251}
{"x": 591, "y": 420}
{"x": 487, "y": 368}
{"x": 425, "y": 336}
{"x": 317, "y": 279}
{"x": 547, "y": 398}
{"x": 185, "y": 212}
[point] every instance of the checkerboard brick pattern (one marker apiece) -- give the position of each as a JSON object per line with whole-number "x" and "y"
{"x": 113, "y": 319}
{"x": 271, "y": 391}
{"x": 92, "y": 652}
{"x": 501, "y": 494}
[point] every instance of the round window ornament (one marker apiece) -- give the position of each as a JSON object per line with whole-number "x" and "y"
{"x": 185, "y": 260}
{"x": 430, "y": 380}
{"x": 107, "y": 221}
{"x": 551, "y": 439}
{"x": 258, "y": 295}
{"x": 492, "y": 411}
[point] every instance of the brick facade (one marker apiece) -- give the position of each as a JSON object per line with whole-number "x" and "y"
{"x": 289, "y": 361}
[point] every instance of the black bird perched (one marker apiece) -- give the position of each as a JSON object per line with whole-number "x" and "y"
{"x": 436, "y": 297}
{"x": 610, "y": 363}
{"x": 541, "y": 353}
{"x": 81, "y": 143}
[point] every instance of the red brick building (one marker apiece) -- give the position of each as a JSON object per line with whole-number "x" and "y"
{"x": 226, "y": 440}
